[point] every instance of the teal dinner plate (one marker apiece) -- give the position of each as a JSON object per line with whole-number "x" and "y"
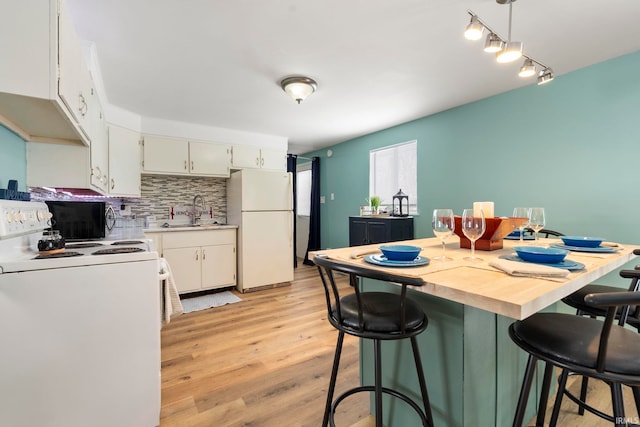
{"x": 598, "y": 249}
{"x": 567, "y": 264}
{"x": 379, "y": 259}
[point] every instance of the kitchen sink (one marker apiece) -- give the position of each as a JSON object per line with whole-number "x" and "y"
{"x": 165, "y": 225}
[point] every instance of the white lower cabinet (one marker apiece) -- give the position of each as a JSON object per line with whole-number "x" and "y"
{"x": 201, "y": 260}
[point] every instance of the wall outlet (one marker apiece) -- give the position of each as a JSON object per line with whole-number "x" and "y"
{"x": 125, "y": 210}
{"x": 322, "y": 199}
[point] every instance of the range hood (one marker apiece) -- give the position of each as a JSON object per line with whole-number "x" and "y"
{"x": 60, "y": 168}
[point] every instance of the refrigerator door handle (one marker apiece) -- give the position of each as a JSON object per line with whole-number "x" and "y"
{"x": 291, "y": 229}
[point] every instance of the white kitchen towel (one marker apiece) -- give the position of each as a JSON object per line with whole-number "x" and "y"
{"x": 209, "y": 300}
{"x": 172, "y": 305}
{"x": 525, "y": 269}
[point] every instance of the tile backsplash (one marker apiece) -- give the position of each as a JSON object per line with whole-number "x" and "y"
{"x": 160, "y": 192}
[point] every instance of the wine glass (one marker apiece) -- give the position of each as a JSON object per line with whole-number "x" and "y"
{"x": 443, "y": 226}
{"x": 536, "y": 220}
{"x": 521, "y": 213}
{"x": 473, "y": 227}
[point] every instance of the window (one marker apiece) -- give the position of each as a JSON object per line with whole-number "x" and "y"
{"x": 393, "y": 168}
{"x": 303, "y": 189}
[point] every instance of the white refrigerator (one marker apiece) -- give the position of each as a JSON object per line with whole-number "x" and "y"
{"x": 261, "y": 204}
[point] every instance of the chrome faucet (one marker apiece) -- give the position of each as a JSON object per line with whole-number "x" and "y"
{"x": 197, "y": 214}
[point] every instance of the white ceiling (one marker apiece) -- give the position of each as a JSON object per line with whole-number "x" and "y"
{"x": 378, "y": 63}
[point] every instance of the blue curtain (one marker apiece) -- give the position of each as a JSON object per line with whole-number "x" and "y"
{"x": 292, "y": 160}
{"x": 314, "y": 218}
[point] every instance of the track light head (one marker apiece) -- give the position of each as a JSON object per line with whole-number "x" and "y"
{"x": 545, "y": 76}
{"x": 474, "y": 29}
{"x": 528, "y": 69}
{"x": 493, "y": 43}
{"x": 511, "y": 52}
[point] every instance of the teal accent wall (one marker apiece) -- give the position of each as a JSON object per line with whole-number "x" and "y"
{"x": 13, "y": 159}
{"x": 570, "y": 146}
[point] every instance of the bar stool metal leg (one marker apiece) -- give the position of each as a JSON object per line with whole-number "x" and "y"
{"x": 544, "y": 394}
{"x": 583, "y": 393}
{"x": 421, "y": 380}
{"x": 636, "y": 397}
{"x": 524, "y": 391}
{"x": 334, "y": 375}
{"x": 378, "y": 382}
{"x": 562, "y": 384}
{"x": 618, "y": 405}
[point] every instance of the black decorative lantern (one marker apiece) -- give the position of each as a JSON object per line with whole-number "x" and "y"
{"x": 400, "y": 204}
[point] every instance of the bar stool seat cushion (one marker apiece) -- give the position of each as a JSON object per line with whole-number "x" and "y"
{"x": 576, "y": 299}
{"x": 381, "y": 313}
{"x": 575, "y": 339}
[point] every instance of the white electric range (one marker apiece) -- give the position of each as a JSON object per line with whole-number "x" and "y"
{"x": 79, "y": 329}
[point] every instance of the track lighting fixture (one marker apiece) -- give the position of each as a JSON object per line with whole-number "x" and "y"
{"x": 528, "y": 69}
{"x": 506, "y": 50}
{"x": 474, "y": 29}
{"x": 493, "y": 43}
{"x": 511, "y": 52}
{"x": 545, "y": 76}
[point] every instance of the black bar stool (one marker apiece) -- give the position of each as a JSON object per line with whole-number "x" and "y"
{"x": 625, "y": 315}
{"x": 377, "y": 316}
{"x": 583, "y": 345}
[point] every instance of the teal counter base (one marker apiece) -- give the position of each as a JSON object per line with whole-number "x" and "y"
{"x": 473, "y": 369}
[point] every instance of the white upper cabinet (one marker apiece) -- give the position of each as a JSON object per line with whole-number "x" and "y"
{"x": 208, "y": 158}
{"x": 273, "y": 159}
{"x": 73, "y": 83}
{"x": 99, "y": 142}
{"x": 165, "y": 155}
{"x": 43, "y": 94}
{"x": 124, "y": 162}
{"x": 173, "y": 156}
{"x": 250, "y": 157}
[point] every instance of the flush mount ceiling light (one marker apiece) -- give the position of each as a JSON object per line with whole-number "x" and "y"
{"x": 506, "y": 50}
{"x": 298, "y": 87}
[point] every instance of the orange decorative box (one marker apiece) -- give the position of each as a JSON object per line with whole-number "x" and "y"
{"x": 496, "y": 230}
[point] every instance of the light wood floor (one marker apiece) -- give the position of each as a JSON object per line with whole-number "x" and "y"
{"x": 265, "y": 362}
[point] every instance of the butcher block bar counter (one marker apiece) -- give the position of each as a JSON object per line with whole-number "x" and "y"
{"x": 473, "y": 370}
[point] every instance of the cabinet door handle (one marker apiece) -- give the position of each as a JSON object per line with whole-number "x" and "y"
{"x": 204, "y": 255}
{"x": 262, "y": 162}
{"x": 197, "y": 255}
{"x": 185, "y": 165}
{"x": 83, "y": 106}
{"x": 257, "y": 161}
{"x": 113, "y": 184}
{"x": 191, "y": 164}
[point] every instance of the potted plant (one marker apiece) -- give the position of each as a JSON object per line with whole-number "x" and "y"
{"x": 374, "y": 202}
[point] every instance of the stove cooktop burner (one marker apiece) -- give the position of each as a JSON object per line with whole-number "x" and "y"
{"x": 128, "y": 242}
{"x": 82, "y": 245}
{"x": 64, "y": 254}
{"x": 111, "y": 251}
